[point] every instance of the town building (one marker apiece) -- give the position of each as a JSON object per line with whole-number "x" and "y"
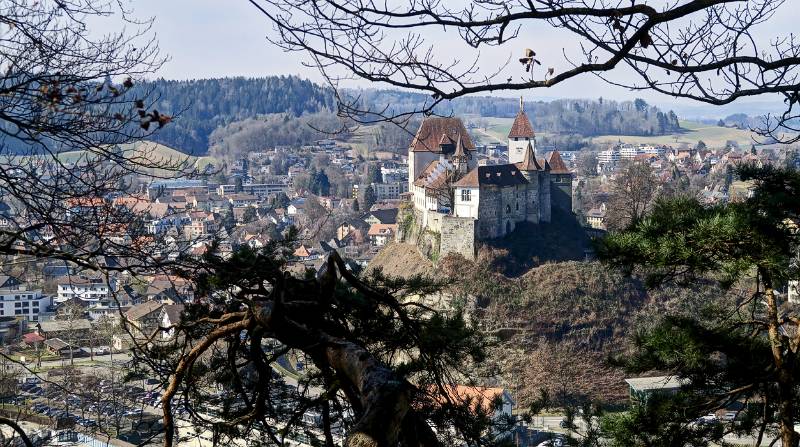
{"x": 88, "y": 289}
{"x": 17, "y": 300}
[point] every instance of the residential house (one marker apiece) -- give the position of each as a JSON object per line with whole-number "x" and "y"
{"x": 242, "y": 200}
{"x": 380, "y": 234}
{"x": 144, "y": 317}
{"x": 170, "y": 317}
{"x": 596, "y": 217}
{"x": 296, "y": 207}
{"x": 77, "y": 331}
{"x": 381, "y": 216}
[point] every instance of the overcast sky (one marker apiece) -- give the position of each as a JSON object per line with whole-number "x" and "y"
{"x": 216, "y": 38}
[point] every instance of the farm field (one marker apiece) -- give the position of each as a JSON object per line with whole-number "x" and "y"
{"x": 150, "y": 152}
{"x": 714, "y": 136}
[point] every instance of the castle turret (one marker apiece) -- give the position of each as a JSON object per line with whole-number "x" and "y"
{"x": 520, "y": 136}
{"x": 533, "y": 171}
{"x": 561, "y": 180}
{"x": 460, "y": 158}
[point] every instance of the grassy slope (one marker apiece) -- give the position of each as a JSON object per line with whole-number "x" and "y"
{"x": 713, "y": 136}
{"x": 153, "y": 152}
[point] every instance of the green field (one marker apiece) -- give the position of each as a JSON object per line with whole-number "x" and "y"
{"x": 714, "y": 136}
{"x": 150, "y": 153}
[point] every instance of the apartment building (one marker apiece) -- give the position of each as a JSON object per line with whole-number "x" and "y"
{"x": 16, "y": 299}
{"x": 89, "y": 289}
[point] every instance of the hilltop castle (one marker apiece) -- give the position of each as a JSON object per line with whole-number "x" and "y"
{"x": 464, "y": 202}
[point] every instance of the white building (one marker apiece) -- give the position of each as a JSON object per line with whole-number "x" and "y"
{"x": 17, "y": 300}
{"x": 629, "y": 151}
{"x": 608, "y": 156}
{"x": 92, "y": 290}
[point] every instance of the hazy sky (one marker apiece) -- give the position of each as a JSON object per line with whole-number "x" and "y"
{"x": 215, "y": 38}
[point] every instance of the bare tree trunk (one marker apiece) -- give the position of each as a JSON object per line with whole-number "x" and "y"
{"x": 384, "y": 396}
{"x": 785, "y": 379}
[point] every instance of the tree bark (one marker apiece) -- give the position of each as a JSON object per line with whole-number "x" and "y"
{"x": 783, "y": 368}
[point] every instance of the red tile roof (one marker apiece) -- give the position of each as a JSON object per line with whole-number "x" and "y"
{"x": 529, "y": 163}
{"x": 435, "y": 175}
{"x": 557, "y": 165}
{"x": 434, "y": 130}
{"x": 522, "y": 127}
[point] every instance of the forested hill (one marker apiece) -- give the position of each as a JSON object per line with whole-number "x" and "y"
{"x": 205, "y": 104}
{"x": 579, "y": 116}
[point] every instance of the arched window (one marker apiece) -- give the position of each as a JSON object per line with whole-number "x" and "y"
{"x": 508, "y": 209}
{"x": 517, "y": 206}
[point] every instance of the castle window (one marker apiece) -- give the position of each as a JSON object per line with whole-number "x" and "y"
{"x": 466, "y": 195}
{"x": 517, "y": 206}
{"x": 508, "y": 209}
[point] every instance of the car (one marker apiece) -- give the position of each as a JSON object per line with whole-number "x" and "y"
{"x": 555, "y": 441}
{"x": 707, "y": 419}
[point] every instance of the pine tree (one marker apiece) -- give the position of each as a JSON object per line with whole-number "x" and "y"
{"x": 746, "y": 353}
{"x": 369, "y": 198}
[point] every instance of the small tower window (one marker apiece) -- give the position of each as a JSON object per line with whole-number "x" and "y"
{"x": 508, "y": 209}
{"x": 517, "y": 206}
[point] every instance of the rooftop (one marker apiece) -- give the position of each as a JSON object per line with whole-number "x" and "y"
{"x": 494, "y": 175}
{"x": 654, "y": 383}
{"x": 435, "y": 130}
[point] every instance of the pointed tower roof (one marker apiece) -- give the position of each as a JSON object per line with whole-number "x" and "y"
{"x": 557, "y": 165}
{"x": 529, "y": 163}
{"x": 459, "y": 148}
{"x": 522, "y": 127}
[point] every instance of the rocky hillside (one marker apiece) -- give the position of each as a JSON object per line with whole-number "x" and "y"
{"x": 557, "y": 324}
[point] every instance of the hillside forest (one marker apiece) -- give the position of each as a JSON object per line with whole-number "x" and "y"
{"x": 217, "y": 115}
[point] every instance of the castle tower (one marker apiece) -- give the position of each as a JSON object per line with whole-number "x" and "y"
{"x": 561, "y": 181}
{"x": 460, "y": 158}
{"x": 520, "y": 136}
{"x": 532, "y": 171}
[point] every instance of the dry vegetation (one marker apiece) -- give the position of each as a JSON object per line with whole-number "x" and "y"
{"x": 558, "y": 324}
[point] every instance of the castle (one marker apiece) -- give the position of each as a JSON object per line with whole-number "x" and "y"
{"x": 464, "y": 202}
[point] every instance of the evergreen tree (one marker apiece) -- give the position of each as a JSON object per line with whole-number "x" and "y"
{"x": 250, "y": 215}
{"x": 237, "y": 184}
{"x": 369, "y": 198}
{"x": 743, "y": 353}
{"x": 349, "y": 331}
{"x": 373, "y": 174}
{"x": 355, "y": 205}
{"x": 229, "y": 220}
{"x": 322, "y": 184}
{"x": 281, "y": 200}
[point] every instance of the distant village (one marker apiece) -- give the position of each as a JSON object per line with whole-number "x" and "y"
{"x": 184, "y": 217}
